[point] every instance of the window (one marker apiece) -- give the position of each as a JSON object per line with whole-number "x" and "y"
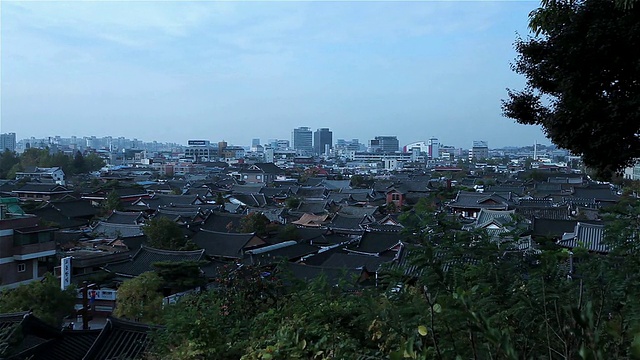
{"x": 22, "y": 267}
{"x": 395, "y": 196}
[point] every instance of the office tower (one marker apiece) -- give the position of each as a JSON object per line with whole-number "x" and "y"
{"x": 322, "y": 139}
{"x": 8, "y": 141}
{"x": 479, "y": 151}
{"x": 384, "y": 144}
{"x": 302, "y": 139}
{"x": 433, "y": 146}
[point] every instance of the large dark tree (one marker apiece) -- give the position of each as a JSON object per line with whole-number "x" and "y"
{"x": 583, "y": 79}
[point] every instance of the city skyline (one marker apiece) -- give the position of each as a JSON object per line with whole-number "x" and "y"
{"x": 237, "y": 71}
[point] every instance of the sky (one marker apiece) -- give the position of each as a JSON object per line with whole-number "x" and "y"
{"x": 177, "y": 70}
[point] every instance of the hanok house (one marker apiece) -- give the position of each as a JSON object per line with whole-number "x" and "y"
{"x": 27, "y": 250}
{"x": 468, "y": 204}
{"x": 41, "y": 192}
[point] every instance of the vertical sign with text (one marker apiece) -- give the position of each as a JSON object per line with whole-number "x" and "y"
{"x": 65, "y": 272}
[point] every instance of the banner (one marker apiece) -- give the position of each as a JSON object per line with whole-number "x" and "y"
{"x": 65, "y": 272}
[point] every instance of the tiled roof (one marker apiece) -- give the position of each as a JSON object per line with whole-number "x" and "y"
{"x": 558, "y": 213}
{"x": 349, "y": 222}
{"x": 127, "y": 218}
{"x": 472, "y": 200}
{"x": 254, "y": 200}
{"x": 54, "y": 216}
{"x": 588, "y": 236}
{"x": 336, "y": 184}
{"x": 311, "y": 220}
{"x": 373, "y": 242}
{"x": 143, "y": 260}
{"x": 501, "y": 216}
{"x": 222, "y": 222}
{"x": 158, "y": 200}
{"x": 72, "y": 345}
{"x": 246, "y": 189}
{"x": 270, "y": 168}
{"x": 333, "y": 276}
{"x": 356, "y": 261}
{"x": 311, "y": 192}
{"x": 76, "y": 208}
{"x": 288, "y": 252}
{"x": 599, "y": 194}
{"x": 312, "y": 207}
{"x": 41, "y": 188}
{"x": 117, "y": 230}
{"x": 226, "y": 245}
{"x": 121, "y": 339}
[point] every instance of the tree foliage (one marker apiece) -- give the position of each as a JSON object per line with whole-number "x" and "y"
{"x": 140, "y": 299}
{"x": 255, "y": 222}
{"x": 45, "y": 298}
{"x": 162, "y": 233}
{"x": 10, "y": 163}
{"x": 582, "y": 80}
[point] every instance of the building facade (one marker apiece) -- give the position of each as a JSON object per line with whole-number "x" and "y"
{"x": 302, "y": 139}
{"x": 384, "y": 144}
{"x": 27, "y": 250}
{"x": 8, "y": 142}
{"x": 322, "y": 141}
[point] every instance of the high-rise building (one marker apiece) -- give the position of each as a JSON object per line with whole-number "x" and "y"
{"x": 384, "y": 144}
{"x": 322, "y": 141}
{"x": 433, "y": 148}
{"x": 479, "y": 151}
{"x": 8, "y": 141}
{"x": 302, "y": 139}
{"x": 255, "y": 142}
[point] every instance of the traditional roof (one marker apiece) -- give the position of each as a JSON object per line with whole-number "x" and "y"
{"x": 472, "y": 200}
{"x": 117, "y": 230}
{"x": 247, "y": 188}
{"x": 253, "y": 200}
{"x": 289, "y": 251}
{"x": 121, "y": 339}
{"x": 312, "y": 207}
{"x": 270, "y": 168}
{"x": 356, "y": 261}
{"x": 158, "y": 200}
{"x": 333, "y": 276}
{"x": 311, "y": 220}
{"x": 311, "y": 192}
{"x": 597, "y": 193}
{"x": 350, "y": 223}
{"x": 358, "y": 210}
{"x": 143, "y": 260}
{"x": 222, "y": 222}
{"x": 552, "y": 228}
{"x": 588, "y": 236}
{"x": 42, "y": 188}
{"x": 226, "y": 245}
{"x": 335, "y": 184}
{"x": 530, "y": 212}
{"x": 376, "y": 243}
{"x": 122, "y": 217}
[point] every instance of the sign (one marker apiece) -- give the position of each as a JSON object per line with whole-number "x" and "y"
{"x": 197, "y": 142}
{"x": 102, "y": 294}
{"x": 65, "y": 272}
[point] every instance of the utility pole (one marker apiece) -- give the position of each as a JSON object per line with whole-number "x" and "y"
{"x": 85, "y": 304}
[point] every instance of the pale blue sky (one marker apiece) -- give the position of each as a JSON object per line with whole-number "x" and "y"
{"x": 176, "y": 70}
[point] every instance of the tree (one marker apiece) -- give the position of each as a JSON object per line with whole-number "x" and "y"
{"x": 7, "y": 160}
{"x": 112, "y": 202}
{"x": 140, "y": 299}
{"x": 582, "y": 80}
{"x": 163, "y": 233}
{"x": 255, "y": 223}
{"x": 79, "y": 165}
{"x": 45, "y": 298}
